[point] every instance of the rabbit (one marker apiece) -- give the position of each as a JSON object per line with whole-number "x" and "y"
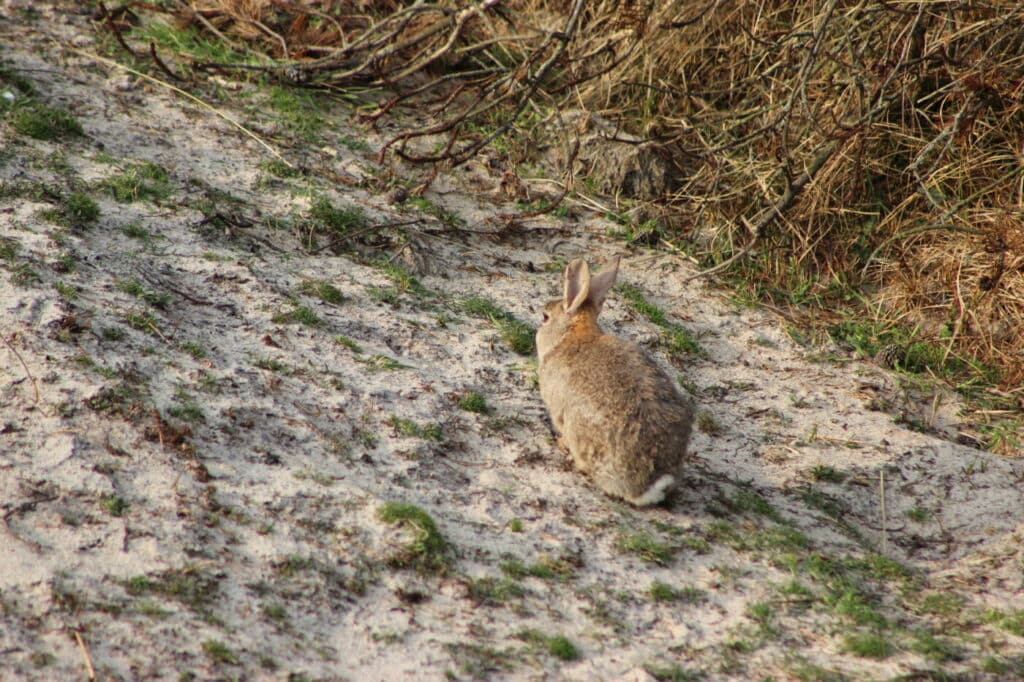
{"x": 623, "y": 420}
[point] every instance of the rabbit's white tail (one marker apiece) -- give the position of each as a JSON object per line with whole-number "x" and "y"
{"x": 656, "y": 493}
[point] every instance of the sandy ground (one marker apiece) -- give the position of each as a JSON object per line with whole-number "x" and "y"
{"x": 191, "y": 481}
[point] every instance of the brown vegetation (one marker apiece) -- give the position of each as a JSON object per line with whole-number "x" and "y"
{"x": 827, "y": 151}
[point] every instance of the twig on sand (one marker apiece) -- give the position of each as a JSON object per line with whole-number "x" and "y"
{"x": 28, "y": 373}
{"x": 85, "y": 655}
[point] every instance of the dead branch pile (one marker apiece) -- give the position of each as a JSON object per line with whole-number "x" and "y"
{"x": 850, "y": 143}
{"x": 475, "y": 66}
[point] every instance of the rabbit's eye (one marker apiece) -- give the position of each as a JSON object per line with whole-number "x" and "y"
{"x": 545, "y": 318}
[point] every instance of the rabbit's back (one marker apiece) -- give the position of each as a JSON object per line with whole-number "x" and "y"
{"x": 620, "y": 415}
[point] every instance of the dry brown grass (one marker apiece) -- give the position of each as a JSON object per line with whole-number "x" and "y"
{"x": 905, "y": 123}
{"x": 877, "y": 145}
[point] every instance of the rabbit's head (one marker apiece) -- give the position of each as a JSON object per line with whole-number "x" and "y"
{"x": 576, "y": 312}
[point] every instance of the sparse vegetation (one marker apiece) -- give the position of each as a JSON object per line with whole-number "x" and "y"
{"x": 299, "y": 110}
{"x": 707, "y": 423}
{"x": 299, "y": 314}
{"x": 35, "y": 119}
{"x": 868, "y": 645}
{"x": 279, "y": 168}
{"x": 672, "y": 673}
{"x": 827, "y": 474}
{"x": 676, "y": 338}
{"x": 517, "y": 335}
{"x": 647, "y": 547}
{"x": 114, "y": 505}
{"x": 489, "y": 591}
{"x": 270, "y": 364}
{"x": 382, "y": 363}
{"x": 9, "y": 247}
{"x": 193, "y": 349}
{"x": 186, "y": 408}
{"x": 473, "y": 401}
{"x": 79, "y": 209}
{"x": 427, "y": 551}
{"x": 145, "y": 181}
{"x": 134, "y": 287}
{"x": 558, "y": 646}
{"x": 142, "y": 320}
{"x": 218, "y": 652}
{"x": 348, "y": 342}
{"x": 547, "y": 568}
{"x": 408, "y": 427}
{"x": 323, "y": 290}
{"x": 189, "y": 585}
{"x": 336, "y": 221}
{"x": 663, "y": 592}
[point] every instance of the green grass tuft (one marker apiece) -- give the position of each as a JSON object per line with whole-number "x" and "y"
{"x": 647, "y": 547}
{"x": 428, "y": 550}
{"x": 299, "y": 111}
{"x": 80, "y": 209}
{"x": 348, "y": 342}
{"x": 36, "y": 120}
{"x": 827, "y": 474}
{"x": 676, "y": 338}
{"x": 868, "y": 645}
{"x": 219, "y": 652}
{"x": 9, "y": 248}
{"x": 188, "y": 585}
{"x": 746, "y": 500}
{"x": 558, "y": 646}
{"x": 114, "y": 505}
{"x": 138, "y": 182}
{"x": 407, "y": 427}
{"x": 660, "y": 591}
{"x": 382, "y": 363}
{"x": 340, "y": 221}
{"x": 474, "y": 402}
{"x": 1012, "y": 621}
{"x": 299, "y": 314}
{"x": 546, "y": 568}
{"x": 490, "y": 591}
{"x": 672, "y": 673}
{"x": 279, "y": 168}
{"x": 517, "y": 335}
{"x": 324, "y": 290}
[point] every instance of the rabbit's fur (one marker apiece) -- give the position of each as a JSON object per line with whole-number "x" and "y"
{"x": 621, "y": 418}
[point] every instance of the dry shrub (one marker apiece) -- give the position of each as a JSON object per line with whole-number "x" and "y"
{"x": 877, "y": 144}
{"x": 966, "y": 288}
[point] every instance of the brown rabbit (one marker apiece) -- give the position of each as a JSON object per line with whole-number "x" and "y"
{"x": 621, "y": 418}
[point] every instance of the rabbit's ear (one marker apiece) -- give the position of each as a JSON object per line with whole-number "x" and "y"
{"x": 602, "y": 283}
{"x": 577, "y": 285}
